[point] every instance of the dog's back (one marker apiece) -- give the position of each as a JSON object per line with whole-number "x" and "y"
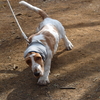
{"x": 54, "y": 23}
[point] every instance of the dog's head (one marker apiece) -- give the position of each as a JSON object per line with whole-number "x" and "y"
{"x": 35, "y": 61}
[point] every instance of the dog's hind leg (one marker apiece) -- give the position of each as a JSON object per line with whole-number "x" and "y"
{"x": 67, "y": 42}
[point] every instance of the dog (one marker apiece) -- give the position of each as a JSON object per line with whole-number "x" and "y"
{"x": 43, "y": 45}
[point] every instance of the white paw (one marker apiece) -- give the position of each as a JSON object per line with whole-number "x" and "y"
{"x": 69, "y": 45}
{"x": 43, "y": 81}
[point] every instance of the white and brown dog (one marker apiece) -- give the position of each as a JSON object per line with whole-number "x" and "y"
{"x": 43, "y": 45}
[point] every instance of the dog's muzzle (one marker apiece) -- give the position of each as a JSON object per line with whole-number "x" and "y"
{"x": 37, "y": 74}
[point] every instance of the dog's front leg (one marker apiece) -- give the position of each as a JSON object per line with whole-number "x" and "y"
{"x": 44, "y": 80}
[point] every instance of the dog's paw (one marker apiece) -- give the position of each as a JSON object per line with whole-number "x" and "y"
{"x": 43, "y": 81}
{"x": 69, "y": 46}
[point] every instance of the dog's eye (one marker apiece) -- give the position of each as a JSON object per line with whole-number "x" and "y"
{"x": 37, "y": 58}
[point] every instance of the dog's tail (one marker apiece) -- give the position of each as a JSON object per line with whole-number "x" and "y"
{"x": 37, "y": 10}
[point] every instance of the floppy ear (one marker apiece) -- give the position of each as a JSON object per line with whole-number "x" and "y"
{"x": 28, "y": 61}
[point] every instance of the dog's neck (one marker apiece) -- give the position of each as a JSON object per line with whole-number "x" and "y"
{"x": 38, "y": 47}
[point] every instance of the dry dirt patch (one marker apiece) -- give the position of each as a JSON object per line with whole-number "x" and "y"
{"x": 79, "y": 68}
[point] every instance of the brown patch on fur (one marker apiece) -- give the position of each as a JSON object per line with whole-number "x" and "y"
{"x": 30, "y": 38}
{"x": 49, "y": 39}
{"x": 43, "y": 41}
{"x": 41, "y": 31}
{"x": 28, "y": 60}
{"x": 43, "y": 14}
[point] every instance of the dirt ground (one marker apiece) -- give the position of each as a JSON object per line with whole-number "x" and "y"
{"x": 78, "y": 68}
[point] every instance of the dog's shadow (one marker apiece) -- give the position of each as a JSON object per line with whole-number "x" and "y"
{"x": 24, "y": 85}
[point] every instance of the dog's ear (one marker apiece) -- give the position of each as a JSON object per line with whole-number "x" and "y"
{"x": 28, "y": 61}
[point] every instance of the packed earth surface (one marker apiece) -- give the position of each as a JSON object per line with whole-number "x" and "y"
{"x": 75, "y": 74}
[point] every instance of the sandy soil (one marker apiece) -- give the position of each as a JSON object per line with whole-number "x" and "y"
{"x": 78, "y": 68}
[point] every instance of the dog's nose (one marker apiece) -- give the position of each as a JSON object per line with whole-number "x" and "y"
{"x": 36, "y": 73}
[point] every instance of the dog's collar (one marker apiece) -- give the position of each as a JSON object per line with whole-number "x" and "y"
{"x": 38, "y": 47}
